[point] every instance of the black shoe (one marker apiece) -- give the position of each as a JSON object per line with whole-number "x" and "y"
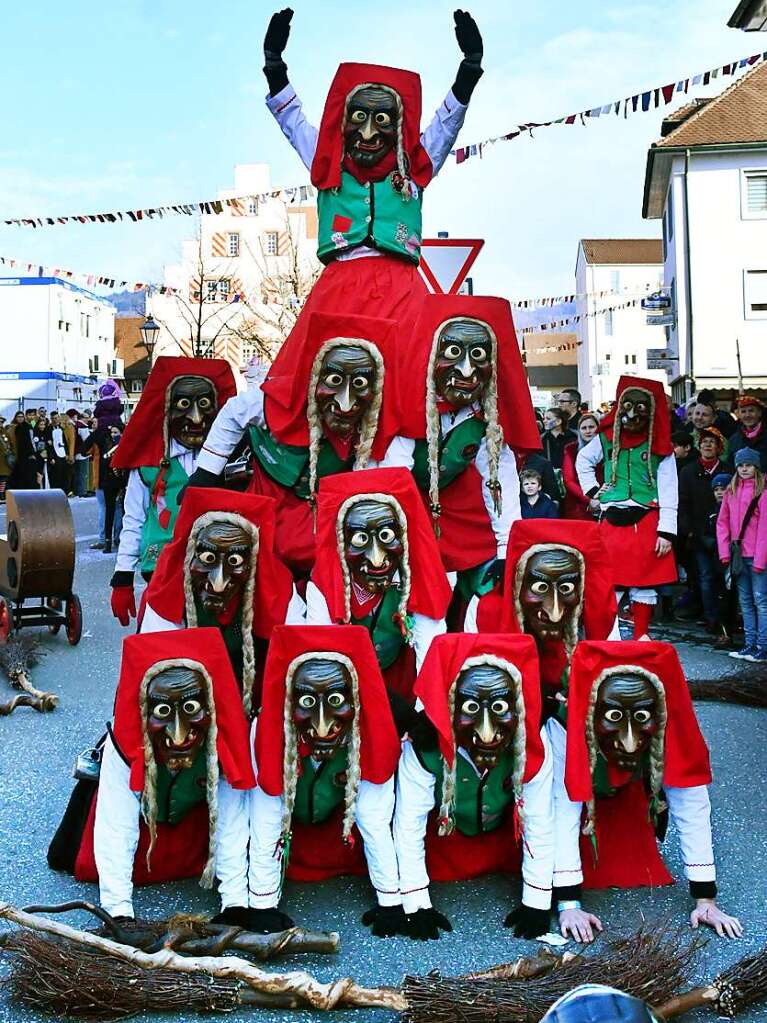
{"x": 107, "y": 548}
{"x": 98, "y": 546}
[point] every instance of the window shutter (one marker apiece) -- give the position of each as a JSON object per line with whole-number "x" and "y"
{"x": 756, "y": 194}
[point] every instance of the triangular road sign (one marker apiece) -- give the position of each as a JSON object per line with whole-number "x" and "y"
{"x": 445, "y": 262}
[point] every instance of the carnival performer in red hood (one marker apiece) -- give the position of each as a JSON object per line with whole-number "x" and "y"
{"x": 326, "y": 751}
{"x": 334, "y": 410}
{"x": 171, "y": 799}
{"x": 159, "y": 447}
{"x": 474, "y": 780}
{"x": 640, "y": 495}
{"x": 634, "y": 752}
{"x": 220, "y": 570}
{"x": 378, "y": 565}
{"x": 370, "y": 163}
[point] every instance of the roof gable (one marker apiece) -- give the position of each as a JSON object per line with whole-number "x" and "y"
{"x": 623, "y": 251}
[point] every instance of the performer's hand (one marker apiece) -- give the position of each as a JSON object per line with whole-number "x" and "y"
{"x": 426, "y": 924}
{"x": 707, "y": 912}
{"x": 123, "y": 600}
{"x": 579, "y": 925}
{"x": 276, "y": 38}
{"x": 468, "y": 36}
{"x": 662, "y": 547}
{"x": 257, "y": 921}
{"x": 386, "y": 921}
{"x": 528, "y": 922}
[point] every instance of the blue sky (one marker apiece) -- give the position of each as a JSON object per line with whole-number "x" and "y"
{"x": 110, "y": 106}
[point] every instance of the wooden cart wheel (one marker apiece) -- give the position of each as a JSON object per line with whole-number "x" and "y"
{"x": 5, "y": 621}
{"x": 55, "y": 604}
{"x": 74, "y": 616}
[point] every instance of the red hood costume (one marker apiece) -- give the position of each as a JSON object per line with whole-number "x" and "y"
{"x": 627, "y": 853}
{"x": 660, "y": 421}
{"x": 145, "y": 441}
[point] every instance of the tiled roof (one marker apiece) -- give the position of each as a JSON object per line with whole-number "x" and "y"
{"x": 626, "y": 251}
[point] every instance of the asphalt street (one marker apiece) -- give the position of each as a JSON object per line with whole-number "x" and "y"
{"x": 37, "y": 753}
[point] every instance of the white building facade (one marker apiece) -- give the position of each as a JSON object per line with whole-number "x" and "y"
{"x": 56, "y": 344}
{"x": 613, "y": 272}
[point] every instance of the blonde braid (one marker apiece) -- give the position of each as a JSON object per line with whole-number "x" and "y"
{"x": 573, "y": 626}
{"x": 494, "y": 430}
{"x": 433, "y": 429}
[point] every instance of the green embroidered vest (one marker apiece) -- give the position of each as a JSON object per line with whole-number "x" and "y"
{"x": 178, "y": 793}
{"x": 480, "y": 802}
{"x": 288, "y": 464}
{"x": 373, "y": 214}
{"x": 456, "y": 452}
{"x": 320, "y": 788}
{"x": 632, "y": 480}
{"x": 153, "y": 535}
{"x": 386, "y": 634}
{"x": 231, "y": 633}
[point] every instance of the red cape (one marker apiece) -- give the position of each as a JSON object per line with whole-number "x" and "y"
{"x": 661, "y": 427}
{"x": 140, "y": 653}
{"x": 143, "y": 442}
{"x": 329, "y": 155}
{"x": 274, "y": 584}
{"x": 430, "y": 591}
{"x": 379, "y": 743}
{"x": 515, "y": 407}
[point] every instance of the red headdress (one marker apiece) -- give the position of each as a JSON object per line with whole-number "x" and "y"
{"x": 145, "y": 440}
{"x": 329, "y": 155}
{"x": 685, "y": 760}
{"x": 660, "y": 421}
{"x": 429, "y": 591}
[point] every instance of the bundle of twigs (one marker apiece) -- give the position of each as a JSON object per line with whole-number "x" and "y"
{"x": 18, "y": 655}
{"x": 740, "y": 985}
{"x": 748, "y": 691}
{"x": 652, "y": 964}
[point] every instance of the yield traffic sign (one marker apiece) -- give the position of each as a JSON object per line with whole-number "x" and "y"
{"x": 445, "y": 262}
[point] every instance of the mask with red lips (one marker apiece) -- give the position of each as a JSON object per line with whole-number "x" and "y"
{"x": 192, "y": 411}
{"x": 370, "y": 126}
{"x": 345, "y": 388}
{"x": 551, "y": 591}
{"x": 323, "y": 707}
{"x": 178, "y": 716}
{"x": 485, "y": 719}
{"x": 373, "y": 545}
{"x": 463, "y": 366}
{"x": 626, "y": 719}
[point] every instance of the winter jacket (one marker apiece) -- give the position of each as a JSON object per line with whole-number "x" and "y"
{"x": 758, "y": 443}
{"x": 696, "y": 499}
{"x": 544, "y": 507}
{"x": 544, "y": 467}
{"x": 554, "y": 445}
{"x": 575, "y": 504}
{"x": 731, "y": 515}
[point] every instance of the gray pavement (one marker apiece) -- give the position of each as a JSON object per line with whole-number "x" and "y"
{"x": 37, "y": 752}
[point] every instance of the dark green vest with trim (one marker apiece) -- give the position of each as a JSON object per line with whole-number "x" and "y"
{"x": 386, "y": 634}
{"x": 231, "y": 634}
{"x": 320, "y": 788}
{"x": 153, "y": 535}
{"x": 480, "y": 802}
{"x": 599, "y": 776}
{"x": 373, "y": 214}
{"x": 288, "y": 464}
{"x": 178, "y": 793}
{"x": 632, "y": 480}
{"x": 457, "y": 451}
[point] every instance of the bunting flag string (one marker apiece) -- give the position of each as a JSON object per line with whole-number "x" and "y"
{"x": 558, "y": 324}
{"x": 640, "y": 102}
{"x": 552, "y": 300}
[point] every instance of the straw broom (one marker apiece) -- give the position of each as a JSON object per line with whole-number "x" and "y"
{"x": 18, "y": 655}
{"x": 748, "y": 692}
{"x": 735, "y": 989}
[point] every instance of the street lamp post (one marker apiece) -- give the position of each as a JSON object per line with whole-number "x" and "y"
{"x": 149, "y": 331}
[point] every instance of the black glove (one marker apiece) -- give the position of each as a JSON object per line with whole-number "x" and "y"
{"x": 275, "y": 41}
{"x": 426, "y": 924}
{"x": 495, "y": 572}
{"x": 257, "y": 921}
{"x": 386, "y": 920}
{"x": 528, "y": 922}
{"x": 470, "y": 68}
{"x": 121, "y": 579}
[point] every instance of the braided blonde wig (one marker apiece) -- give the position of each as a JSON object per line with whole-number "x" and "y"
{"x": 573, "y": 626}
{"x": 369, "y": 423}
{"x": 493, "y": 432}
{"x": 290, "y": 756}
{"x": 403, "y": 164}
{"x": 210, "y": 518}
{"x": 149, "y": 792}
{"x": 657, "y": 743}
{"x": 446, "y": 824}
{"x": 617, "y": 434}
{"x": 404, "y": 569}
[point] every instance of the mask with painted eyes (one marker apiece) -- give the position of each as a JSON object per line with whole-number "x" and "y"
{"x": 485, "y": 718}
{"x": 345, "y": 388}
{"x": 370, "y": 126}
{"x": 626, "y": 717}
{"x": 178, "y": 716}
{"x": 373, "y": 545}
{"x": 635, "y": 407}
{"x": 463, "y": 366}
{"x": 192, "y": 411}
{"x": 551, "y": 591}
{"x": 323, "y": 706}
{"x": 220, "y": 565}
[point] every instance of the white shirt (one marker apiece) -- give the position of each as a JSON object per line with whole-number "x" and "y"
{"x": 57, "y": 439}
{"x": 154, "y": 622}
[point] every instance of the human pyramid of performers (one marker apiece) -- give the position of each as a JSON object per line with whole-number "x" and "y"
{"x": 365, "y": 662}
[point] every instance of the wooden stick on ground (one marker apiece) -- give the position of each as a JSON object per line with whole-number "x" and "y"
{"x": 25, "y": 700}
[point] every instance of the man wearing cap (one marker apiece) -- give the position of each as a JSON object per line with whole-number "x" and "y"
{"x": 751, "y": 433}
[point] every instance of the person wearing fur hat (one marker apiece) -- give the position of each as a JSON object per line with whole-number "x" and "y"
{"x": 634, "y": 756}
{"x": 474, "y": 780}
{"x": 171, "y": 801}
{"x": 220, "y": 570}
{"x": 370, "y": 164}
{"x": 334, "y": 411}
{"x": 378, "y": 565}
{"x": 159, "y": 447}
{"x": 639, "y": 497}
{"x": 326, "y": 752}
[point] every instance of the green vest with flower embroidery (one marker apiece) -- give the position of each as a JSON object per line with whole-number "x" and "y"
{"x": 457, "y": 451}
{"x": 288, "y": 464}
{"x": 153, "y": 535}
{"x": 481, "y": 801}
{"x": 320, "y": 788}
{"x": 386, "y": 634}
{"x": 632, "y": 480}
{"x": 373, "y": 214}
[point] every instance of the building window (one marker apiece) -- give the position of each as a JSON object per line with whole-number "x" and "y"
{"x": 233, "y": 244}
{"x": 754, "y": 195}
{"x": 755, "y": 292}
{"x": 272, "y": 243}
{"x": 136, "y": 386}
{"x": 609, "y": 323}
{"x": 253, "y": 207}
{"x": 218, "y": 290}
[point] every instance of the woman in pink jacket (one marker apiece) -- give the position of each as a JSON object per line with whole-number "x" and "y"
{"x": 745, "y": 501}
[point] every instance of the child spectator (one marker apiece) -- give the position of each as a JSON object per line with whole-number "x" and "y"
{"x": 728, "y": 602}
{"x": 534, "y": 503}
